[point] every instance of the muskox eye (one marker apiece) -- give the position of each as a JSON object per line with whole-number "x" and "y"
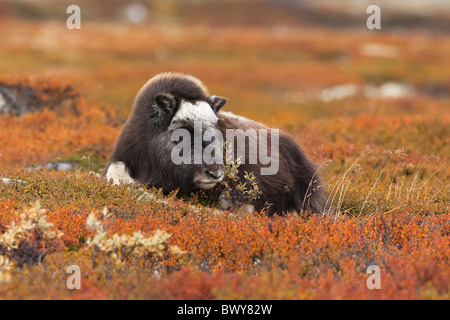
{"x": 175, "y": 121}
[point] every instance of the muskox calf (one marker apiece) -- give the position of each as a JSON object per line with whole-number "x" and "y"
{"x": 176, "y": 105}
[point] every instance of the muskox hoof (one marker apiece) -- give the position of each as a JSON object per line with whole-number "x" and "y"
{"x": 247, "y": 208}
{"x": 224, "y": 204}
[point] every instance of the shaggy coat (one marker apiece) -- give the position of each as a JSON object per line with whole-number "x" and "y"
{"x": 295, "y": 187}
{"x": 145, "y": 145}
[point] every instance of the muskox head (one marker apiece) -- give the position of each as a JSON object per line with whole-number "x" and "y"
{"x": 194, "y": 145}
{"x": 169, "y": 141}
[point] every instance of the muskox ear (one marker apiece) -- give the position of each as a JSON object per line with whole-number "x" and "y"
{"x": 166, "y": 102}
{"x": 217, "y": 102}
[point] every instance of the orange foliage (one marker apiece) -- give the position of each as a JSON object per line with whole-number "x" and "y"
{"x": 391, "y": 210}
{"x": 49, "y": 134}
{"x": 253, "y": 256}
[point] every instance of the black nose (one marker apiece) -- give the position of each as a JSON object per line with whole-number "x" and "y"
{"x": 215, "y": 174}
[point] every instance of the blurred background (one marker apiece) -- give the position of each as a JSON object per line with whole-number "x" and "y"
{"x": 328, "y": 13}
{"x": 259, "y": 53}
{"x": 311, "y": 67}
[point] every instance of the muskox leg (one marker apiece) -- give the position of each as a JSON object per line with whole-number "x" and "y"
{"x": 118, "y": 173}
{"x": 225, "y": 204}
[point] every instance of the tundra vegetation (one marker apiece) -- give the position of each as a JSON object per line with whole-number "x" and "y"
{"x": 371, "y": 109}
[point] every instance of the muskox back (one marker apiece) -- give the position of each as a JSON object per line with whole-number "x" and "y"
{"x": 296, "y": 186}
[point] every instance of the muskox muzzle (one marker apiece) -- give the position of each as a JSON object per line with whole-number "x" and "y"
{"x": 208, "y": 176}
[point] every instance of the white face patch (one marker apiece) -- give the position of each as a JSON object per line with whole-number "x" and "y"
{"x": 199, "y": 111}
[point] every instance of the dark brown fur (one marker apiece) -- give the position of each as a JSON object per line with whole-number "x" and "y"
{"x": 144, "y": 146}
{"x": 297, "y": 185}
